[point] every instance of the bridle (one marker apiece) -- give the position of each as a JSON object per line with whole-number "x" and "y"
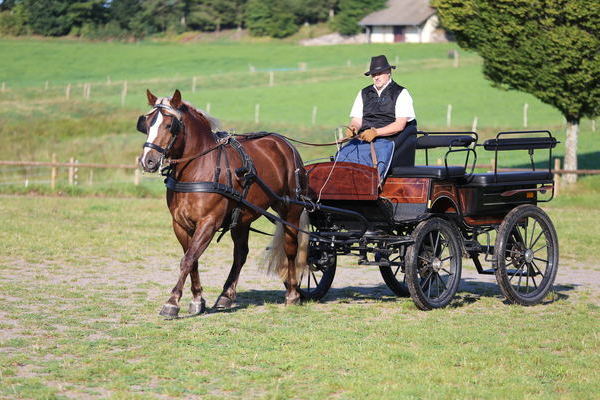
{"x": 176, "y": 127}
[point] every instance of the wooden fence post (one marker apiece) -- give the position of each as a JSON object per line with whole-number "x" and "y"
{"x": 593, "y": 125}
{"x": 46, "y": 86}
{"x": 456, "y": 58}
{"x": 3, "y": 87}
{"x": 68, "y": 91}
{"x": 123, "y": 94}
{"x": 194, "y": 84}
{"x": 71, "y": 170}
{"x": 314, "y": 115}
{"x": 136, "y": 173}
{"x": 257, "y": 113}
{"x": 208, "y": 108}
{"x": 556, "y": 176}
{"x": 53, "y": 172}
{"x": 525, "y": 109}
{"x": 449, "y": 115}
{"x": 474, "y": 126}
{"x": 271, "y": 78}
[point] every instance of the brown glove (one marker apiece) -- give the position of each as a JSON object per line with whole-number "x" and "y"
{"x": 350, "y": 131}
{"x": 368, "y": 135}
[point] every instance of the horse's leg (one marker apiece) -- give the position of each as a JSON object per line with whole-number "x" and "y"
{"x": 239, "y": 235}
{"x": 205, "y": 230}
{"x": 197, "y": 305}
{"x": 291, "y": 282}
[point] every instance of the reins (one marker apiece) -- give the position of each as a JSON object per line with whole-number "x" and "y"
{"x": 224, "y": 140}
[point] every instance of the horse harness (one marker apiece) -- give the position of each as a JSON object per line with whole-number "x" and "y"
{"x": 246, "y": 173}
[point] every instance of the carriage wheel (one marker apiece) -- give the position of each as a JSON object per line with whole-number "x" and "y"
{"x": 317, "y": 279}
{"x": 526, "y": 254}
{"x": 394, "y": 277}
{"x": 433, "y": 264}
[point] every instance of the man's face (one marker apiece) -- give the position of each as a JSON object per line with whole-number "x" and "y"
{"x": 381, "y": 78}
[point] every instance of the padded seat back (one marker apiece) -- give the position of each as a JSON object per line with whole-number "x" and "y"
{"x": 512, "y": 178}
{"x": 426, "y": 171}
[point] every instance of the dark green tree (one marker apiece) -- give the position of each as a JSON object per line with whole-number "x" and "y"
{"x": 214, "y": 15}
{"x": 549, "y": 48}
{"x": 270, "y": 18}
{"x": 351, "y": 12}
{"x": 48, "y": 17}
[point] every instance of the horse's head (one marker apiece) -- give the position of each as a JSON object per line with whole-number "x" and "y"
{"x": 162, "y": 125}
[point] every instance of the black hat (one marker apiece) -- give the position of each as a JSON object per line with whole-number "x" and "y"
{"x": 379, "y": 64}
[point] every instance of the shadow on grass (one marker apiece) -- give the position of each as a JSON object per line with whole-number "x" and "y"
{"x": 470, "y": 292}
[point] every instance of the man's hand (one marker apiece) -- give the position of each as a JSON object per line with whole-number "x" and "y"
{"x": 368, "y": 135}
{"x": 350, "y": 131}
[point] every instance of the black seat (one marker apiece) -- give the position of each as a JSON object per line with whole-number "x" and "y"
{"x": 426, "y": 171}
{"x": 512, "y": 177}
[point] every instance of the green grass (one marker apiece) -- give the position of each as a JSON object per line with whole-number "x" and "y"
{"x": 37, "y": 122}
{"x": 83, "y": 279}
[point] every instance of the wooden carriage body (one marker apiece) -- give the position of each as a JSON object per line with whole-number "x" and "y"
{"x": 403, "y": 218}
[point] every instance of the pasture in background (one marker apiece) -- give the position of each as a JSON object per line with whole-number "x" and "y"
{"x": 81, "y": 100}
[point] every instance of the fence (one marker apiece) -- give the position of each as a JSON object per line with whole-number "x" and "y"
{"x": 73, "y": 166}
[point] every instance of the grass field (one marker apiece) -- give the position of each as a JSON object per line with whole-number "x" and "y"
{"x": 84, "y": 274}
{"x": 82, "y": 289}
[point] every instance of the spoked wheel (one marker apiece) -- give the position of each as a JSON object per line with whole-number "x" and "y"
{"x": 526, "y": 254}
{"x": 433, "y": 264}
{"x": 394, "y": 276}
{"x": 316, "y": 281}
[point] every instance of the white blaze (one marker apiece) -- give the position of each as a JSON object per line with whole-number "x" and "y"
{"x": 152, "y": 134}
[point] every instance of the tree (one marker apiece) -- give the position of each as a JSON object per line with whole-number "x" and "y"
{"x": 548, "y": 48}
{"x": 48, "y": 17}
{"x": 270, "y": 18}
{"x": 214, "y": 14}
{"x": 351, "y": 12}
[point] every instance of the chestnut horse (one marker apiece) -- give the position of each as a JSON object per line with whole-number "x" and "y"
{"x": 179, "y": 132}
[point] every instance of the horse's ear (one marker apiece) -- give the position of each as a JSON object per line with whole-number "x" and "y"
{"x": 151, "y": 98}
{"x": 176, "y": 99}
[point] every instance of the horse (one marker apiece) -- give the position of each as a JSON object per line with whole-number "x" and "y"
{"x": 177, "y": 131}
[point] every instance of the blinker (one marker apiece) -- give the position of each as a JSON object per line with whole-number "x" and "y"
{"x": 141, "y": 124}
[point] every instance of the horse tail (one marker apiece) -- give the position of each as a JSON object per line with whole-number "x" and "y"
{"x": 276, "y": 258}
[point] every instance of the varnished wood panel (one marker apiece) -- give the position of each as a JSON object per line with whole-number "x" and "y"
{"x": 343, "y": 181}
{"x": 406, "y": 190}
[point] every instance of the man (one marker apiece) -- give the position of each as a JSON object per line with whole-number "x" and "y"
{"x": 384, "y": 111}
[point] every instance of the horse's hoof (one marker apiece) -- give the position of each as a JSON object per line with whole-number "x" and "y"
{"x": 223, "y": 303}
{"x": 197, "y": 307}
{"x": 293, "y": 301}
{"x": 169, "y": 311}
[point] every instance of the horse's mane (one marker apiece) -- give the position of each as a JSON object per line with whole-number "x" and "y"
{"x": 202, "y": 115}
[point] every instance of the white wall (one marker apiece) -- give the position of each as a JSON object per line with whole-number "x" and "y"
{"x": 382, "y": 34}
{"x": 412, "y": 34}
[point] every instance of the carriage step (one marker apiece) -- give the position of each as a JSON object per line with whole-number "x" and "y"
{"x": 382, "y": 263}
{"x": 490, "y": 271}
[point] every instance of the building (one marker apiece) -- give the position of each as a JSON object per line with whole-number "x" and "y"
{"x": 411, "y": 21}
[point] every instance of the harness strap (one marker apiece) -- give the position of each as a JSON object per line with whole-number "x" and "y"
{"x": 202, "y": 187}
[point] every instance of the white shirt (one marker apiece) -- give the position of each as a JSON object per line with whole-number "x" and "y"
{"x": 403, "y": 109}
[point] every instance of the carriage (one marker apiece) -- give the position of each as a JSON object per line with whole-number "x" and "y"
{"x": 421, "y": 221}
{"x": 416, "y": 223}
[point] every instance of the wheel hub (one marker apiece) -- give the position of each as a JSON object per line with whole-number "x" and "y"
{"x": 436, "y": 264}
{"x": 528, "y": 255}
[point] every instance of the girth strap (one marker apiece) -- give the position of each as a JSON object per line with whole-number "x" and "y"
{"x": 203, "y": 187}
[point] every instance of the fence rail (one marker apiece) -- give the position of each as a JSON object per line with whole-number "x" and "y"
{"x": 74, "y": 165}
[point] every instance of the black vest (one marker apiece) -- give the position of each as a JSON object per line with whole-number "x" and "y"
{"x": 379, "y": 111}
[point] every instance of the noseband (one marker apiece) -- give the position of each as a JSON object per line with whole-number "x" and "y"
{"x": 176, "y": 127}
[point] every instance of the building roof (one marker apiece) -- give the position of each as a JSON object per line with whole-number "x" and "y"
{"x": 400, "y": 12}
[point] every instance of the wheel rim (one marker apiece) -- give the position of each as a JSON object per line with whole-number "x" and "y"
{"x": 310, "y": 279}
{"x": 529, "y": 256}
{"x": 436, "y": 266}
